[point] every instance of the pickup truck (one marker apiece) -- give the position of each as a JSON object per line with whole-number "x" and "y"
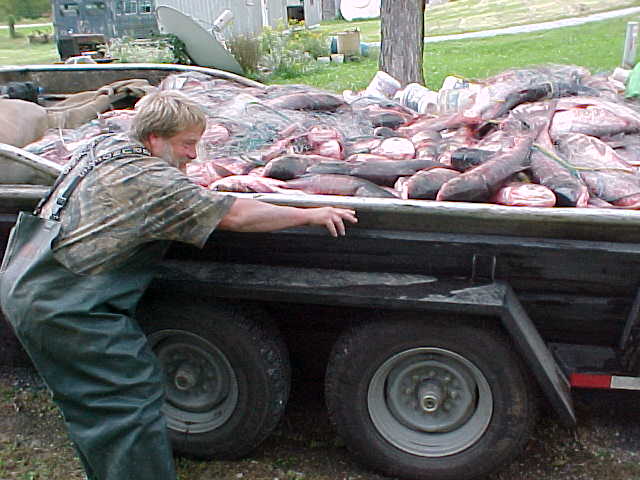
{"x": 442, "y": 328}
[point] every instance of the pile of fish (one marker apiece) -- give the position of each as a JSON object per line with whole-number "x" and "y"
{"x": 545, "y": 136}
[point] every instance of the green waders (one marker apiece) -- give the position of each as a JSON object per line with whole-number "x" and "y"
{"x": 81, "y": 336}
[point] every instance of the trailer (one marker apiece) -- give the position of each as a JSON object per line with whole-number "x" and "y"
{"x": 442, "y": 328}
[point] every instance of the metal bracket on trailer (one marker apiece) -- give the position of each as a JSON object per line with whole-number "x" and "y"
{"x": 391, "y": 291}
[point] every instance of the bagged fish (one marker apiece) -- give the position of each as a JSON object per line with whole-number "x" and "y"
{"x": 520, "y": 194}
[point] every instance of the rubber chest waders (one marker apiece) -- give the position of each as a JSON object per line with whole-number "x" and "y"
{"x": 79, "y": 332}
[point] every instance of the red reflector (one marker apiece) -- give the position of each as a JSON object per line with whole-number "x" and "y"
{"x": 585, "y": 380}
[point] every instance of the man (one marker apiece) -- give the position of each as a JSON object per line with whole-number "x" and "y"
{"x": 73, "y": 275}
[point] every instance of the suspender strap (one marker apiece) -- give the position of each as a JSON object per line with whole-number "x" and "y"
{"x": 63, "y": 196}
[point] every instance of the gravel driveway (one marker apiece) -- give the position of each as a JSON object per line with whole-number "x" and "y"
{"x": 604, "y": 446}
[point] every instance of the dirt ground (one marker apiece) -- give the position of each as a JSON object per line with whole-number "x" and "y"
{"x": 604, "y": 446}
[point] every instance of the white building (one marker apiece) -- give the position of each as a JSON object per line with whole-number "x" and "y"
{"x": 249, "y": 16}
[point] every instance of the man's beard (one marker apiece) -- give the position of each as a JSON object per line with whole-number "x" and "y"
{"x": 168, "y": 155}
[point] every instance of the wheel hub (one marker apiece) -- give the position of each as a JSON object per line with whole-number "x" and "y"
{"x": 197, "y": 380}
{"x": 427, "y": 394}
{"x": 430, "y": 396}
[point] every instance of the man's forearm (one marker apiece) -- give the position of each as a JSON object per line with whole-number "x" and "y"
{"x": 246, "y": 215}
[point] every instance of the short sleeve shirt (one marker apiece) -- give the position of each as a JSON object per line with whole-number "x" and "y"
{"x": 125, "y": 203}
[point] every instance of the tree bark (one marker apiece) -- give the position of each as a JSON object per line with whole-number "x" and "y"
{"x": 12, "y": 26}
{"x": 402, "y": 39}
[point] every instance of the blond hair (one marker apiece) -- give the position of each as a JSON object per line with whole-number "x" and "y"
{"x": 165, "y": 113}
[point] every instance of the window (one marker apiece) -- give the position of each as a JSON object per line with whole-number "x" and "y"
{"x": 95, "y": 8}
{"x": 146, "y": 6}
{"x": 119, "y": 7}
{"x": 69, "y": 9}
{"x": 130, "y": 7}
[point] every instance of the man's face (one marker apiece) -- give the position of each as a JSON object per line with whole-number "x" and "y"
{"x": 179, "y": 149}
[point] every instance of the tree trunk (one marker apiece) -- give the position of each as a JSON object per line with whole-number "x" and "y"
{"x": 12, "y": 27}
{"x": 402, "y": 39}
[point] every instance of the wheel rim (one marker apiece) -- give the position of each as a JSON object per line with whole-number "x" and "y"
{"x": 201, "y": 386}
{"x": 430, "y": 402}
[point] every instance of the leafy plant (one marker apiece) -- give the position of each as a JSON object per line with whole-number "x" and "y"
{"x": 290, "y": 53}
{"x": 160, "y": 49}
{"x": 247, "y": 51}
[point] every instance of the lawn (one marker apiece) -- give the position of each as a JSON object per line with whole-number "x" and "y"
{"x": 18, "y": 51}
{"x": 462, "y": 16}
{"x": 597, "y": 46}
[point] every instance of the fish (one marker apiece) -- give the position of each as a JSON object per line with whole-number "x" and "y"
{"x": 631, "y": 202}
{"x": 360, "y": 145}
{"x": 387, "y": 119}
{"x": 606, "y": 175}
{"x": 396, "y": 148}
{"x": 430, "y": 123}
{"x": 465, "y": 158}
{"x": 291, "y": 166}
{"x": 205, "y": 173}
{"x": 380, "y": 172}
{"x": 510, "y": 88}
{"x": 520, "y": 194}
{"x": 463, "y": 137}
{"x": 307, "y": 101}
{"x": 627, "y": 147}
{"x": 426, "y": 144}
{"x": 248, "y": 184}
{"x": 365, "y": 157}
{"x": 384, "y": 132}
{"x": 425, "y": 184}
{"x": 215, "y": 132}
{"x": 330, "y": 148}
{"x": 236, "y": 165}
{"x": 550, "y": 169}
{"x": 328, "y": 184}
{"x": 479, "y": 183}
{"x": 593, "y": 116}
{"x": 319, "y": 134}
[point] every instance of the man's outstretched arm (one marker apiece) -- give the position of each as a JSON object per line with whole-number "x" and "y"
{"x": 246, "y": 215}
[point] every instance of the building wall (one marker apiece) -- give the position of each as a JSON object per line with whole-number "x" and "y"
{"x": 330, "y": 9}
{"x": 248, "y": 18}
{"x": 312, "y": 12}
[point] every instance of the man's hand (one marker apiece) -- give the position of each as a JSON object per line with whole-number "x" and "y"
{"x": 331, "y": 218}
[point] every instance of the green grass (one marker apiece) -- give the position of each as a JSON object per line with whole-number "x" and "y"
{"x": 18, "y": 51}
{"x": 597, "y": 46}
{"x": 475, "y": 15}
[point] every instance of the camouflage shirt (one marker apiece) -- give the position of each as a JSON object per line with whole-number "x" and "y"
{"x": 125, "y": 203}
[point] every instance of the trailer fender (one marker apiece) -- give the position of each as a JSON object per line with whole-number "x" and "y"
{"x": 533, "y": 349}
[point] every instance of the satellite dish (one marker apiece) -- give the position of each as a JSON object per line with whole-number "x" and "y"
{"x": 352, "y": 9}
{"x": 202, "y": 46}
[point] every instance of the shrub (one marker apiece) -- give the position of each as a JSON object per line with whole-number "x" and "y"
{"x": 290, "y": 53}
{"x": 158, "y": 49}
{"x": 246, "y": 50}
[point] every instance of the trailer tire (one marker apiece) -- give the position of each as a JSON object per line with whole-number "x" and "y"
{"x": 227, "y": 376}
{"x": 420, "y": 400}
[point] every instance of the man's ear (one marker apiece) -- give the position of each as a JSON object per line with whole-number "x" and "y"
{"x": 155, "y": 144}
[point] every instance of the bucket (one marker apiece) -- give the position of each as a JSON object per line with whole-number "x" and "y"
{"x": 453, "y": 82}
{"x": 454, "y": 100}
{"x": 382, "y": 85}
{"x": 349, "y": 42}
{"x": 333, "y": 45}
{"x": 414, "y": 95}
{"x": 337, "y": 58}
